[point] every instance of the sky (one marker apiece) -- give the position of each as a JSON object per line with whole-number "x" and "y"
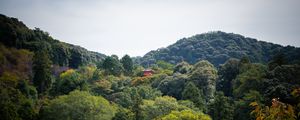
{"x": 135, "y": 27}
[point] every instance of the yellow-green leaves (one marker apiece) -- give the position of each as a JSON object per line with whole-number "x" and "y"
{"x": 79, "y": 105}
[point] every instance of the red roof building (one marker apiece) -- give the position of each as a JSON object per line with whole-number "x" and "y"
{"x": 148, "y": 72}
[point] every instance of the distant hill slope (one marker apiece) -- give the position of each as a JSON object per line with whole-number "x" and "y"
{"x": 217, "y": 47}
{"x": 14, "y": 33}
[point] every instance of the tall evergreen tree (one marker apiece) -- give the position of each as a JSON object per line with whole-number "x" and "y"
{"x": 112, "y": 66}
{"x": 277, "y": 60}
{"x": 204, "y": 75}
{"x": 136, "y": 106}
{"x": 227, "y": 72}
{"x": 192, "y": 93}
{"x": 182, "y": 67}
{"x": 42, "y": 71}
{"x": 222, "y": 107}
{"x": 127, "y": 64}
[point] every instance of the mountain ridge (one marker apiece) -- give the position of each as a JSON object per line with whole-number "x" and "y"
{"x": 14, "y": 33}
{"x": 214, "y": 46}
{"x": 219, "y": 45}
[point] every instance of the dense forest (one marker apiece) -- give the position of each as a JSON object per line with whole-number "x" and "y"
{"x": 14, "y": 33}
{"x": 210, "y": 76}
{"x": 217, "y": 47}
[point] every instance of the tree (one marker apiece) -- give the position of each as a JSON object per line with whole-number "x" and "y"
{"x": 137, "y": 101}
{"x": 242, "y": 110}
{"x": 69, "y": 81}
{"x": 281, "y": 81}
{"x": 182, "y": 68}
{"x": 60, "y": 54}
{"x": 76, "y": 58}
{"x": 138, "y": 70}
{"x": 88, "y": 72}
{"x": 159, "y": 107}
{"x": 277, "y": 60}
{"x": 14, "y": 104}
{"x": 244, "y": 60}
{"x": 296, "y": 95}
{"x": 185, "y": 115}
{"x": 192, "y": 93}
{"x": 124, "y": 114}
{"x": 227, "y": 73}
{"x": 42, "y": 71}
{"x": 204, "y": 75}
{"x": 250, "y": 78}
{"x": 78, "y": 105}
{"x": 222, "y": 107}
{"x": 164, "y": 65}
{"x": 278, "y": 111}
{"x": 127, "y": 64}
{"x": 129, "y": 95}
{"x": 132, "y": 98}
{"x": 172, "y": 85}
{"x": 112, "y": 66}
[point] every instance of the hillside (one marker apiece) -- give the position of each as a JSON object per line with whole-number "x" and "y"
{"x": 13, "y": 33}
{"x": 217, "y": 47}
{"x": 33, "y": 87}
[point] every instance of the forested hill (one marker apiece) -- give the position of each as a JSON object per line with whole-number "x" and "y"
{"x": 217, "y": 47}
{"x": 14, "y": 33}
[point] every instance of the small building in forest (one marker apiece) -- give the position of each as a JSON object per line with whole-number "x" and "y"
{"x": 148, "y": 72}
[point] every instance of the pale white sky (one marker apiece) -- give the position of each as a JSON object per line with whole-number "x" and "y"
{"x": 135, "y": 27}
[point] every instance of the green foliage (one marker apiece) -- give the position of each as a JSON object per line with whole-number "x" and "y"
{"x": 242, "y": 110}
{"x": 182, "y": 68}
{"x": 13, "y": 33}
{"x": 296, "y": 94}
{"x": 222, "y": 107}
{"x": 69, "y": 81}
{"x": 138, "y": 70}
{"x": 126, "y": 98}
{"x": 28, "y": 90}
{"x": 109, "y": 85}
{"x": 102, "y": 87}
{"x": 124, "y": 114}
{"x": 172, "y": 85}
{"x": 281, "y": 82}
{"x": 112, "y": 66}
{"x": 138, "y": 97}
{"x": 185, "y": 115}
{"x": 204, "y": 75}
{"x": 17, "y": 107}
{"x": 192, "y": 93}
{"x": 137, "y": 101}
{"x": 188, "y": 104}
{"x": 159, "y": 107}
{"x": 244, "y": 60}
{"x": 250, "y": 78}
{"x": 217, "y": 47}
{"x": 17, "y": 94}
{"x": 227, "y": 73}
{"x": 14, "y": 104}
{"x": 78, "y": 106}
{"x": 42, "y": 71}
{"x": 87, "y": 72}
{"x": 164, "y": 65}
{"x": 127, "y": 64}
{"x": 61, "y": 55}
{"x": 16, "y": 61}
{"x": 277, "y": 60}
{"x": 76, "y": 59}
